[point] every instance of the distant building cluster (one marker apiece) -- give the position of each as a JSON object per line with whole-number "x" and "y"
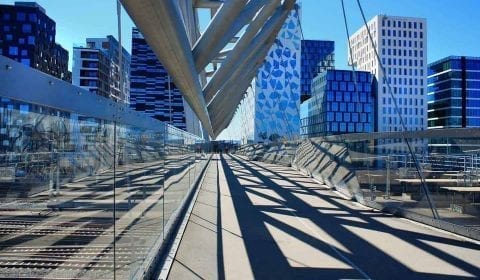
{"x": 388, "y": 86}
{"x": 28, "y": 36}
{"x": 401, "y": 90}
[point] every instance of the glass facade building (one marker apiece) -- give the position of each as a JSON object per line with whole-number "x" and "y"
{"x": 277, "y": 86}
{"x": 317, "y": 56}
{"x": 27, "y": 35}
{"x": 342, "y": 102}
{"x": 454, "y": 92}
{"x": 152, "y": 91}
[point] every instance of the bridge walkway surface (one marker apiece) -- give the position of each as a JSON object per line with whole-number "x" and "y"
{"x": 263, "y": 221}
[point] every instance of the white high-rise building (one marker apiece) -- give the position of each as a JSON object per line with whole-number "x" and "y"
{"x": 401, "y": 43}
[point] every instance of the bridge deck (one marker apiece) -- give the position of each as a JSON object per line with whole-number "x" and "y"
{"x": 255, "y": 220}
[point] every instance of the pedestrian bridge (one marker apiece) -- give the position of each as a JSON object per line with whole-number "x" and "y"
{"x": 265, "y": 221}
{"x": 91, "y": 189}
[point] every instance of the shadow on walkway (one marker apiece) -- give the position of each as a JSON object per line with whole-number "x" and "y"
{"x": 273, "y": 205}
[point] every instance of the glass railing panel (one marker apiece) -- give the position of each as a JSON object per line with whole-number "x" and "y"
{"x": 177, "y": 172}
{"x": 83, "y": 181}
{"x": 56, "y": 198}
{"x": 138, "y": 198}
{"x": 390, "y": 173}
{"x": 452, "y": 173}
{"x": 430, "y": 176}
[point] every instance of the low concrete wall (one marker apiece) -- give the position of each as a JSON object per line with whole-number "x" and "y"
{"x": 252, "y": 152}
{"x": 281, "y": 154}
{"x": 330, "y": 164}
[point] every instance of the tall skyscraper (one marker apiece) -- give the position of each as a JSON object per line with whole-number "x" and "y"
{"x": 152, "y": 90}
{"x": 454, "y": 92}
{"x": 96, "y": 67}
{"x": 27, "y": 35}
{"x": 401, "y": 43}
{"x": 336, "y": 106}
{"x": 277, "y": 86}
{"x": 317, "y": 56}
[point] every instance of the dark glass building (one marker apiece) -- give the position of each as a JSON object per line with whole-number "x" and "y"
{"x": 27, "y": 35}
{"x": 151, "y": 90}
{"x": 336, "y": 107}
{"x": 316, "y": 56}
{"x": 454, "y": 92}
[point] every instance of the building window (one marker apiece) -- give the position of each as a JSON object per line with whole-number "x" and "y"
{"x": 12, "y": 50}
{"x": 21, "y": 16}
{"x": 31, "y": 40}
{"x": 32, "y": 18}
{"x": 27, "y": 28}
{"x": 25, "y": 61}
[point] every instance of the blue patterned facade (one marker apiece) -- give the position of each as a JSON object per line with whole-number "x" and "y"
{"x": 317, "y": 56}
{"x": 277, "y": 86}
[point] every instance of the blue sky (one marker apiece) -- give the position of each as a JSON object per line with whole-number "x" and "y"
{"x": 453, "y": 25}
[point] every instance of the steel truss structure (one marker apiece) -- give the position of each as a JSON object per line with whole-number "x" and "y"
{"x": 212, "y": 77}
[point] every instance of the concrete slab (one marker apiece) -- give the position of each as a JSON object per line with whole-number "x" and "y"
{"x": 258, "y": 220}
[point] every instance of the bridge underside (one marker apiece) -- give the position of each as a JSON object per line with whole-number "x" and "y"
{"x": 256, "y": 220}
{"x": 212, "y": 75}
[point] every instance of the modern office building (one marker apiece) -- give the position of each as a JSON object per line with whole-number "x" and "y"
{"x": 277, "y": 86}
{"x": 317, "y": 56}
{"x": 27, "y": 35}
{"x": 454, "y": 92}
{"x": 91, "y": 70}
{"x": 401, "y": 43}
{"x": 152, "y": 90}
{"x": 270, "y": 109}
{"x": 96, "y": 67}
{"x": 336, "y": 106}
